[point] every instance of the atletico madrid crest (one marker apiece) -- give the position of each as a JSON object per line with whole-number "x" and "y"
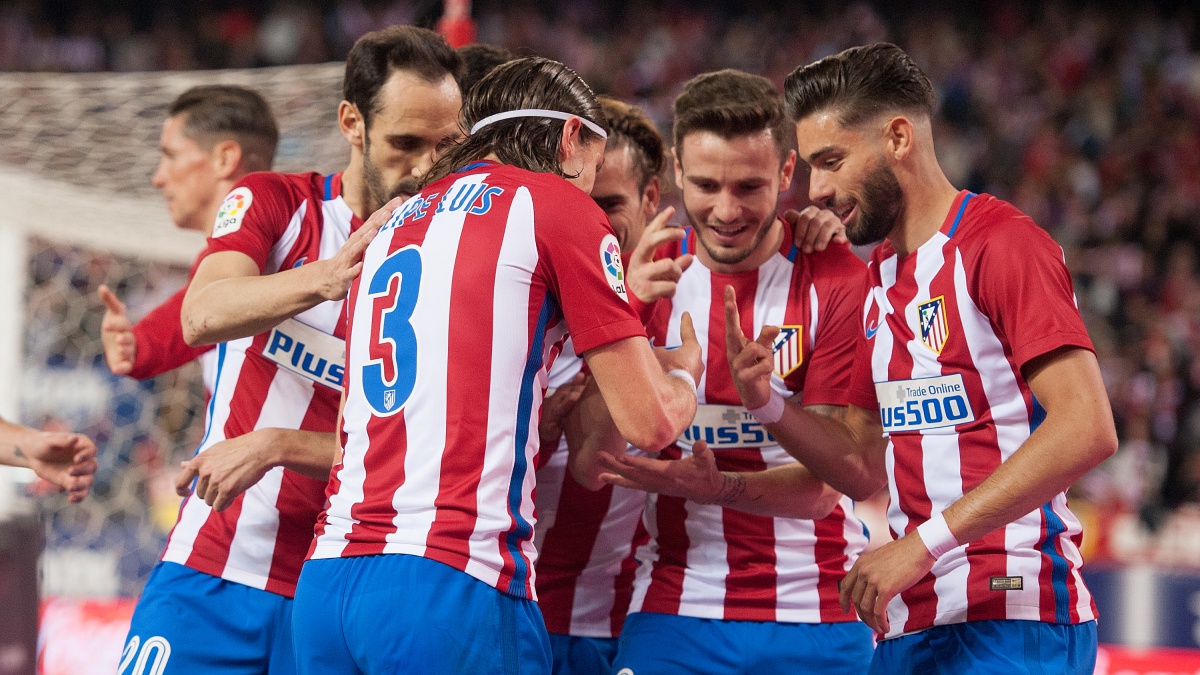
{"x": 788, "y": 349}
{"x": 934, "y": 329}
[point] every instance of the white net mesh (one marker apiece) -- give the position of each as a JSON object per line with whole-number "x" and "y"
{"x": 76, "y": 156}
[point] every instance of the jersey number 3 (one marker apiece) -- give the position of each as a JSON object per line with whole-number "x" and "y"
{"x": 389, "y": 376}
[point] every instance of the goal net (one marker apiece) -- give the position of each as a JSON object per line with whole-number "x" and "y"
{"x": 76, "y": 156}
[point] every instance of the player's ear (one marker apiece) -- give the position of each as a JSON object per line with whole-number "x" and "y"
{"x": 651, "y": 195}
{"x": 227, "y": 159}
{"x": 352, "y": 125}
{"x": 570, "y": 142}
{"x": 677, "y": 161}
{"x": 898, "y": 137}
{"x": 786, "y": 171}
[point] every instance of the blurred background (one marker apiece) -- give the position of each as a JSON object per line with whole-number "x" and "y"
{"x": 1085, "y": 115}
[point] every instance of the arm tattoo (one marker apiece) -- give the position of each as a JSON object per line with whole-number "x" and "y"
{"x": 733, "y": 486}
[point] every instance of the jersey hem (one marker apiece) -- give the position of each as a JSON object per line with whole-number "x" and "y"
{"x": 954, "y": 616}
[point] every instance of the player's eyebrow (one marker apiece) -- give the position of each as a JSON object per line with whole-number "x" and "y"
{"x": 812, "y": 159}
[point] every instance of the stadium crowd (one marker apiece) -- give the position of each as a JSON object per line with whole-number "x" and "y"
{"x": 1086, "y": 118}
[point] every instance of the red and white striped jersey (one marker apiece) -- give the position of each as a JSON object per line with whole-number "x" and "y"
{"x": 585, "y": 540}
{"x": 288, "y": 377}
{"x": 453, "y": 324}
{"x": 946, "y": 331}
{"x": 708, "y": 561}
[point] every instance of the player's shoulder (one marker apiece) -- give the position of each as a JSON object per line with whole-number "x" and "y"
{"x": 993, "y": 225}
{"x": 263, "y": 194}
{"x": 837, "y": 261}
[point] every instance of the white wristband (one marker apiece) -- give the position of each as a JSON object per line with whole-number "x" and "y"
{"x": 772, "y": 412}
{"x": 936, "y": 536}
{"x": 683, "y": 375}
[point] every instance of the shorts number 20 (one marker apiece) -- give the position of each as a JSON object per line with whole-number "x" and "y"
{"x": 389, "y": 376}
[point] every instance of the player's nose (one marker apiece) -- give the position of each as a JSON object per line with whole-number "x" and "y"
{"x": 726, "y": 209}
{"x": 820, "y": 189}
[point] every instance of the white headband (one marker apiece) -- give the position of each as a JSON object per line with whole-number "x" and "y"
{"x": 537, "y": 112}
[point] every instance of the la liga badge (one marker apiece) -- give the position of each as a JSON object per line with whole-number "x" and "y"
{"x": 610, "y": 260}
{"x": 232, "y": 211}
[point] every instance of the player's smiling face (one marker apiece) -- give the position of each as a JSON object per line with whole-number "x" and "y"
{"x": 413, "y": 119}
{"x": 850, "y": 176}
{"x": 187, "y": 177}
{"x": 731, "y": 190}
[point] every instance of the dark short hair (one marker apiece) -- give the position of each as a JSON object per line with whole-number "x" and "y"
{"x": 530, "y": 143}
{"x": 630, "y": 127}
{"x": 479, "y": 60}
{"x": 859, "y": 84}
{"x": 731, "y": 103}
{"x": 216, "y": 112}
{"x": 376, "y": 55}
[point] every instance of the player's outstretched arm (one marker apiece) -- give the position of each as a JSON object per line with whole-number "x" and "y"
{"x": 65, "y": 459}
{"x": 229, "y": 299}
{"x": 845, "y": 450}
{"x": 229, "y": 468}
{"x": 643, "y": 395}
{"x": 1077, "y": 434}
{"x": 789, "y": 491}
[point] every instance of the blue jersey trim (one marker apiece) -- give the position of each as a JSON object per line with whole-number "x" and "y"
{"x": 212, "y": 405}
{"x": 523, "y": 530}
{"x": 1054, "y": 528}
{"x": 329, "y": 188}
{"x": 792, "y": 253}
{"x": 962, "y": 208}
{"x": 683, "y": 245}
{"x": 471, "y": 166}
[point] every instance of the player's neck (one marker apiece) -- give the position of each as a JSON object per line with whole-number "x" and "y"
{"x": 927, "y": 198}
{"x": 761, "y": 254}
{"x": 354, "y": 188}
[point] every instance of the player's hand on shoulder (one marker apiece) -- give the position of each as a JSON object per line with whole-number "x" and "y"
{"x": 649, "y": 279}
{"x": 751, "y": 362}
{"x": 65, "y": 459}
{"x": 340, "y": 271}
{"x": 227, "y": 469}
{"x": 815, "y": 228}
{"x": 688, "y": 356}
{"x": 116, "y": 334}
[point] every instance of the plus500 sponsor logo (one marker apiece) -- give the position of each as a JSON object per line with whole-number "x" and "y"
{"x": 305, "y": 359}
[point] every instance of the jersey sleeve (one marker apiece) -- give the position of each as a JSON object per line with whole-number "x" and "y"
{"x": 585, "y": 273}
{"x": 839, "y": 277}
{"x": 253, "y": 217}
{"x": 159, "y": 338}
{"x": 862, "y": 382}
{"x": 1023, "y": 285}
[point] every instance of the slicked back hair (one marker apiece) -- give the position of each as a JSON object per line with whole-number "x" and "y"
{"x": 217, "y": 112}
{"x": 731, "y": 103}
{"x": 530, "y": 143}
{"x": 630, "y": 127}
{"x": 859, "y": 84}
{"x": 376, "y": 55}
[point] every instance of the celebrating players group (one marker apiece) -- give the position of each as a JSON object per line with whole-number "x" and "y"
{"x": 478, "y": 406}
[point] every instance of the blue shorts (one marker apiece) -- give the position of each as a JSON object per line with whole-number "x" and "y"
{"x": 991, "y": 647}
{"x": 406, "y": 614}
{"x": 665, "y": 644}
{"x": 574, "y": 655}
{"x": 191, "y": 622}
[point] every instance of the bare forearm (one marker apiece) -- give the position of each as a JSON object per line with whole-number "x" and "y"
{"x": 846, "y": 450}
{"x": 228, "y": 309}
{"x": 1056, "y": 455}
{"x": 789, "y": 491}
{"x": 310, "y": 453}
{"x": 590, "y": 432}
{"x": 12, "y": 438}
